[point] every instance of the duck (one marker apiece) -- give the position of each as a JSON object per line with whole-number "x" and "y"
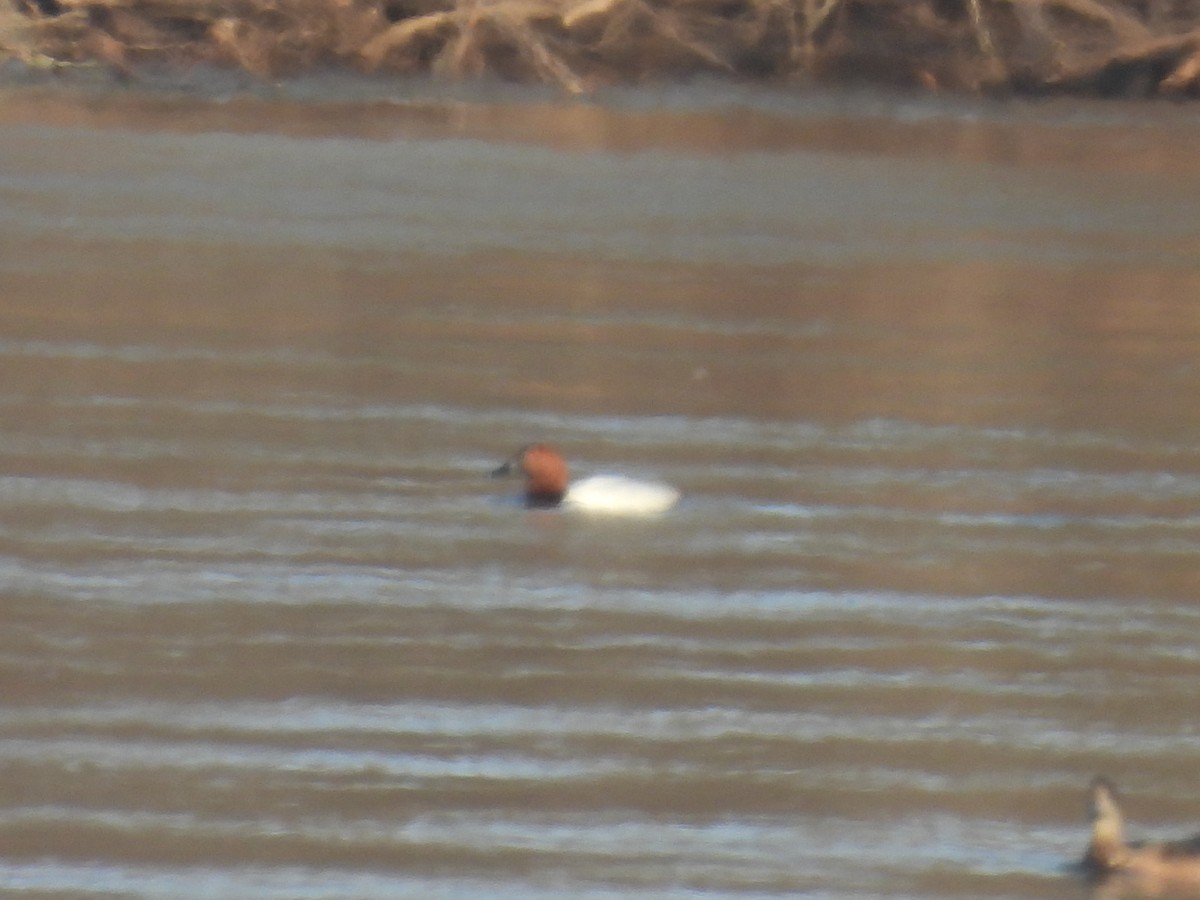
{"x": 547, "y": 485}
{"x": 1173, "y": 862}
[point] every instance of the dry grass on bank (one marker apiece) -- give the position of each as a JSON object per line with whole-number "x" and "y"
{"x": 1126, "y": 47}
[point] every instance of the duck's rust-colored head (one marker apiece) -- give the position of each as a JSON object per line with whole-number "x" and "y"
{"x": 545, "y": 474}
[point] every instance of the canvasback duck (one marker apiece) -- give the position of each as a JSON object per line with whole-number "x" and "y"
{"x": 1172, "y": 862}
{"x": 547, "y": 485}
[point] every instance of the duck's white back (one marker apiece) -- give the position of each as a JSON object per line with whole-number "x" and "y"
{"x": 618, "y": 495}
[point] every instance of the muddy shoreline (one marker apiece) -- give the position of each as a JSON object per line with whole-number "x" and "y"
{"x": 1023, "y": 47}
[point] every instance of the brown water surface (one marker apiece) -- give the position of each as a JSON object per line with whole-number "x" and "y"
{"x": 928, "y": 378}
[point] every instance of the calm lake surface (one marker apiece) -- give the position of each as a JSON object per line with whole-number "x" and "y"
{"x": 926, "y": 372}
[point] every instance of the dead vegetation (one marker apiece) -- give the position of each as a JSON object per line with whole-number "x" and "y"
{"x": 1105, "y": 47}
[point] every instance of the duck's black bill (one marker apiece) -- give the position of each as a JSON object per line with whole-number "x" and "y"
{"x": 504, "y": 469}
